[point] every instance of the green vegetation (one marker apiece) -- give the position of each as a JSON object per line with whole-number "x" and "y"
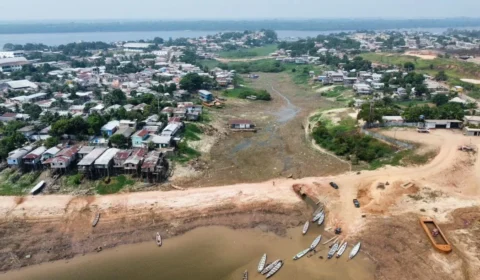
{"x": 335, "y": 92}
{"x": 244, "y": 92}
{"x": 185, "y": 153}
{"x": 193, "y": 82}
{"x": 247, "y": 53}
{"x": 74, "y": 180}
{"x": 192, "y": 131}
{"x": 404, "y": 158}
{"x": 346, "y": 140}
{"x": 474, "y": 94}
{"x": 13, "y": 183}
{"x": 262, "y": 65}
{"x": 113, "y": 184}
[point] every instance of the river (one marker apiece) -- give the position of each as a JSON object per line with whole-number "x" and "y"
{"x": 209, "y": 253}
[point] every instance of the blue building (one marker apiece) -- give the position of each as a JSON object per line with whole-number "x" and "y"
{"x": 205, "y": 95}
{"x": 110, "y": 128}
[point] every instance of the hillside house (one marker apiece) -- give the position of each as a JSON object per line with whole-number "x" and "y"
{"x": 27, "y": 131}
{"x": 134, "y": 162}
{"x": 171, "y": 129}
{"x": 63, "y": 159}
{"x": 86, "y": 164}
{"x": 50, "y": 153}
{"x": 139, "y": 137}
{"x": 154, "y": 167}
{"x": 33, "y": 158}
{"x": 85, "y": 150}
{"x": 15, "y": 157}
{"x": 104, "y": 164}
{"x": 110, "y": 128}
{"x": 119, "y": 160}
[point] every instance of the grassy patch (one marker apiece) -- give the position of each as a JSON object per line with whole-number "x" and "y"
{"x": 249, "y": 53}
{"x": 261, "y": 65}
{"x": 13, "y": 183}
{"x": 185, "y": 153}
{"x": 210, "y": 63}
{"x": 192, "y": 131}
{"x": 407, "y": 103}
{"x": 474, "y": 94}
{"x": 74, "y": 180}
{"x": 115, "y": 185}
{"x": 404, "y": 158}
{"x": 335, "y": 92}
{"x": 244, "y": 92}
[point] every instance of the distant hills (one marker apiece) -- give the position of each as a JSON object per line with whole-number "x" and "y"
{"x": 224, "y": 25}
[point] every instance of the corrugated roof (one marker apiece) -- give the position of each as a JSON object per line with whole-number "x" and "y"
{"x": 141, "y": 133}
{"x": 106, "y": 157}
{"x": 92, "y": 156}
{"x": 86, "y": 149}
{"x": 123, "y": 154}
{"x": 52, "y": 151}
{"x": 36, "y": 153}
{"x": 136, "y": 156}
{"x": 151, "y": 160}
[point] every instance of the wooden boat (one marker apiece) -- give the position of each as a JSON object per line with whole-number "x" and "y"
{"x": 275, "y": 269}
{"x": 261, "y": 264}
{"x": 301, "y": 254}
{"x": 315, "y": 242}
{"x": 332, "y": 250}
{"x": 317, "y": 217}
{"x": 355, "y": 250}
{"x": 96, "y": 219}
{"x": 305, "y": 227}
{"x": 438, "y": 241}
{"x": 330, "y": 240}
{"x": 342, "y": 250}
{"x": 316, "y": 212}
{"x": 334, "y": 242}
{"x": 38, "y": 187}
{"x": 158, "y": 239}
{"x": 269, "y": 267}
{"x": 321, "y": 219}
{"x": 245, "y": 275}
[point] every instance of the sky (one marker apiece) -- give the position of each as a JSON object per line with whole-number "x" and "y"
{"x": 238, "y": 9}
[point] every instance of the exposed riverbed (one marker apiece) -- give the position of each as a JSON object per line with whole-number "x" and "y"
{"x": 205, "y": 254}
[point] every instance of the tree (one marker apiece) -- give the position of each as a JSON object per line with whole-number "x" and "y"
{"x": 441, "y": 76}
{"x": 95, "y": 123}
{"x": 409, "y": 66}
{"x": 440, "y": 99}
{"x": 117, "y": 96}
{"x": 118, "y": 140}
{"x": 51, "y": 141}
{"x": 191, "y": 82}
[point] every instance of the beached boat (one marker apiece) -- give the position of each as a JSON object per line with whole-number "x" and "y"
{"x": 342, "y": 250}
{"x": 269, "y": 267}
{"x": 435, "y": 234}
{"x": 301, "y": 254}
{"x": 317, "y": 217}
{"x": 38, "y": 187}
{"x": 245, "y": 275}
{"x": 332, "y": 250}
{"x": 96, "y": 219}
{"x": 275, "y": 269}
{"x": 330, "y": 240}
{"x": 355, "y": 250}
{"x": 261, "y": 264}
{"x": 158, "y": 239}
{"x": 316, "y": 212}
{"x": 305, "y": 227}
{"x": 315, "y": 242}
{"x": 321, "y": 219}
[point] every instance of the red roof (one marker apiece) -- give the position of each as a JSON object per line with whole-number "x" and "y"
{"x": 175, "y": 120}
{"x": 9, "y": 115}
{"x": 123, "y": 154}
{"x": 142, "y": 132}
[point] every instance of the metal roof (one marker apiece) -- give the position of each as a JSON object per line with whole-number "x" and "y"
{"x": 92, "y": 156}
{"x": 52, "y": 151}
{"x": 136, "y": 156}
{"x": 151, "y": 160}
{"x": 123, "y": 154}
{"x": 86, "y": 149}
{"x": 106, "y": 157}
{"x": 36, "y": 153}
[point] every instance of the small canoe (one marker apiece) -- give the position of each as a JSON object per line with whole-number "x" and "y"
{"x": 270, "y": 267}
{"x": 317, "y": 217}
{"x": 315, "y": 242}
{"x": 305, "y": 227}
{"x": 329, "y": 240}
{"x": 355, "y": 250}
{"x": 301, "y": 254}
{"x": 275, "y": 269}
{"x": 158, "y": 239}
{"x": 245, "y": 275}
{"x": 96, "y": 219}
{"x": 435, "y": 235}
{"x": 321, "y": 219}
{"x": 261, "y": 264}
{"x": 37, "y": 187}
{"x": 332, "y": 250}
{"x": 342, "y": 249}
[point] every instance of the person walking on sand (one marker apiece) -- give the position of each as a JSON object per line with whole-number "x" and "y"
{"x": 273, "y": 182}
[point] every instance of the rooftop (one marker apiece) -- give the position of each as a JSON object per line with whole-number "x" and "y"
{"x": 36, "y": 153}
{"x": 123, "y": 154}
{"x": 106, "y": 157}
{"x": 92, "y": 156}
{"x": 136, "y": 156}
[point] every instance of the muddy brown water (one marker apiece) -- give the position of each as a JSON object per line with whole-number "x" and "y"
{"x": 205, "y": 254}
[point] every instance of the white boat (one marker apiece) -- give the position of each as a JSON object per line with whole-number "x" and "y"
{"x": 342, "y": 249}
{"x": 332, "y": 250}
{"x": 158, "y": 239}
{"x": 305, "y": 227}
{"x": 245, "y": 275}
{"x": 321, "y": 219}
{"x": 269, "y": 267}
{"x": 315, "y": 242}
{"x": 317, "y": 217}
{"x": 261, "y": 264}
{"x": 319, "y": 209}
{"x": 275, "y": 269}
{"x": 37, "y": 187}
{"x": 301, "y": 254}
{"x": 355, "y": 250}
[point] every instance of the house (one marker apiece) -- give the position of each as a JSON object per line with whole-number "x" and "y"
{"x": 76, "y": 109}
{"x": 376, "y": 77}
{"x": 140, "y": 107}
{"x": 50, "y": 153}
{"x": 125, "y": 131}
{"x": 152, "y": 129}
{"x": 392, "y": 119}
{"x": 171, "y": 129}
{"x": 15, "y": 157}
{"x": 162, "y": 141}
{"x": 138, "y": 138}
{"x": 401, "y": 91}
{"x": 378, "y": 86}
{"x": 7, "y": 117}
{"x": 457, "y": 100}
{"x": 362, "y": 88}
{"x": 167, "y": 111}
{"x": 98, "y": 141}
{"x": 241, "y": 125}
{"x": 152, "y": 119}
{"x": 119, "y": 160}
{"x": 85, "y": 150}
{"x": 86, "y": 164}
{"x": 128, "y": 123}
{"x": 12, "y": 64}
{"x": 30, "y": 98}
{"x": 104, "y": 163}
{"x": 21, "y": 85}
{"x": 128, "y": 107}
{"x": 154, "y": 167}
{"x": 443, "y": 123}
{"x": 134, "y": 161}
{"x": 34, "y": 157}
{"x": 63, "y": 159}
{"x": 110, "y": 128}
{"x": 205, "y": 95}
{"x": 470, "y": 131}
{"x": 180, "y": 113}
{"x": 472, "y": 120}
{"x": 97, "y": 109}
{"x": 27, "y": 131}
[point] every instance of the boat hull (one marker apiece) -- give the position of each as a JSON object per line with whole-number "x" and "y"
{"x": 428, "y": 224}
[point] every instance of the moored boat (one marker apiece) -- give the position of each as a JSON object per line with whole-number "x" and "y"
{"x": 96, "y": 220}
{"x": 275, "y": 269}
{"x": 261, "y": 264}
{"x": 355, "y": 250}
{"x": 301, "y": 254}
{"x": 316, "y": 217}
{"x": 315, "y": 242}
{"x": 158, "y": 239}
{"x": 332, "y": 250}
{"x": 342, "y": 249}
{"x": 38, "y": 187}
{"x": 435, "y": 234}
{"x": 321, "y": 219}
{"x": 269, "y": 267}
{"x": 305, "y": 227}
{"x": 245, "y": 275}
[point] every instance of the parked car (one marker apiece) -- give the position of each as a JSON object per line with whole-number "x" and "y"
{"x": 356, "y": 203}
{"x": 335, "y": 186}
